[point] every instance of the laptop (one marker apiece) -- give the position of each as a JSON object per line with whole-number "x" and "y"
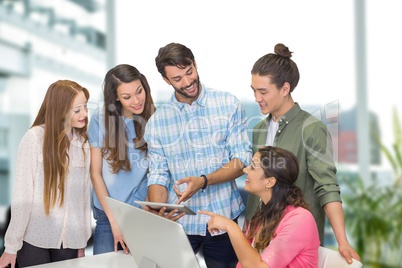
{"x": 153, "y": 241}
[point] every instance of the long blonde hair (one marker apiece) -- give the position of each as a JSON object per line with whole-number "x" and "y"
{"x": 53, "y": 115}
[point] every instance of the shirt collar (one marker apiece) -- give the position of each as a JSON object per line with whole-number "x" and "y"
{"x": 201, "y": 100}
{"x": 74, "y": 135}
{"x": 288, "y": 116}
{"x": 77, "y": 140}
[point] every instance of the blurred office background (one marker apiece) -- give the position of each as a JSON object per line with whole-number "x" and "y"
{"x": 347, "y": 53}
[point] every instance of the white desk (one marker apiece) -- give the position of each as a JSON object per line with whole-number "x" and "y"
{"x": 106, "y": 260}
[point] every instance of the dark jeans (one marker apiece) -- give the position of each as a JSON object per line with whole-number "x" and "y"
{"x": 30, "y": 255}
{"x": 217, "y": 250}
{"x": 103, "y": 236}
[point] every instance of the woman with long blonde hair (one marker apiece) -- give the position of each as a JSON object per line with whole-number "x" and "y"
{"x": 50, "y": 209}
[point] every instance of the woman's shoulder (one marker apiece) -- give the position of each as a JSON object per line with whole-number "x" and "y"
{"x": 298, "y": 216}
{"x": 33, "y": 137}
{"x": 96, "y": 121}
{"x": 35, "y": 132}
{"x": 98, "y": 113}
{"x": 299, "y": 212}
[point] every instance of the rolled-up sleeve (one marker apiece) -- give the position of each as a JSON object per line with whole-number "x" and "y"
{"x": 158, "y": 166}
{"x": 96, "y": 133}
{"x": 239, "y": 145}
{"x": 321, "y": 164}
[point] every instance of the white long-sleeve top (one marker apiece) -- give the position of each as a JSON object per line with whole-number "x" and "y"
{"x": 68, "y": 225}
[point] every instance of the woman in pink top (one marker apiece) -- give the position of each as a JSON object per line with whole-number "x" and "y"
{"x": 50, "y": 209}
{"x": 282, "y": 233}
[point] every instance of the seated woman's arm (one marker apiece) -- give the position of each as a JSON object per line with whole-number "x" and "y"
{"x": 296, "y": 240}
{"x": 247, "y": 255}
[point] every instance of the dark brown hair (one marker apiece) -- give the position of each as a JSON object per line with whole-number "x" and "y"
{"x": 282, "y": 165}
{"x": 279, "y": 67}
{"x": 173, "y": 54}
{"x": 115, "y": 144}
{"x": 52, "y": 114}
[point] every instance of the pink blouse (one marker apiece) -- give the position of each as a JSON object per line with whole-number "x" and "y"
{"x": 295, "y": 242}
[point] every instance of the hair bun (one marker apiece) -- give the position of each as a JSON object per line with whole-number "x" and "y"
{"x": 282, "y": 50}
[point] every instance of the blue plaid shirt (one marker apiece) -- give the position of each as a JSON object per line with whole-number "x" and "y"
{"x": 191, "y": 140}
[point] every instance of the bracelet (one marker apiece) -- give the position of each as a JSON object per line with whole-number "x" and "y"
{"x": 205, "y": 183}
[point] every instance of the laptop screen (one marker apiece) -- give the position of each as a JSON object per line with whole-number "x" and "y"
{"x": 153, "y": 240}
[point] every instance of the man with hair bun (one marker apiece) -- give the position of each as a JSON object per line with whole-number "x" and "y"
{"x": 273, "y": 78}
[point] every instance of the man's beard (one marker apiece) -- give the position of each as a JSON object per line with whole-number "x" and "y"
{"x": 182, "y": 91}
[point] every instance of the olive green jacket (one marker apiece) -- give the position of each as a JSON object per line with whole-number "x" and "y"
{"x": 308, "y": 138}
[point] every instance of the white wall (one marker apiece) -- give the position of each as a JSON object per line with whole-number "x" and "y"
{"x": 227, "y": 37}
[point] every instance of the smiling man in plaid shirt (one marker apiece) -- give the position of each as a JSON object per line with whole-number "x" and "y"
{"x": 198, "y": 146}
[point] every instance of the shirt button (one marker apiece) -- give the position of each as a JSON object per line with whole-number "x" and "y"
{"x": 287, "y": 122}
{"x": 279, "y": 131}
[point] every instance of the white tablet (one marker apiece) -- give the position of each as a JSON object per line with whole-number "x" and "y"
{"x": 169, "y": 207}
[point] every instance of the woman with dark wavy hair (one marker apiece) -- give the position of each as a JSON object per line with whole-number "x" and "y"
{"x": 282, "y": 232}
{"x": 51, "y": 209}
{"x": 119, "y": 163}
